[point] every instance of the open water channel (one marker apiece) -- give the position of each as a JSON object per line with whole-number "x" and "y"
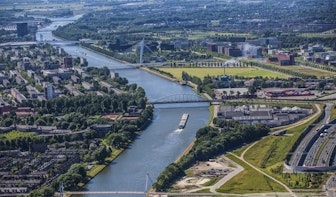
{"x": 161, "y": 143}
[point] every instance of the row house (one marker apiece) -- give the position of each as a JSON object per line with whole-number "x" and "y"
{"x": 75, "y": 79}
{"x": 33, "y": 92}
{"x": 20, "y": 80}
{"x": 73, "y": 90}
{"x": 18, "y": 96}
{"x": 87, "y": 86}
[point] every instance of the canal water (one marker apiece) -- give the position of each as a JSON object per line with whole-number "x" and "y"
{"x": 157, "y": 146}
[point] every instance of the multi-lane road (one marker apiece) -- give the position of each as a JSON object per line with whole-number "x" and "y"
{"x": 325, "y": 156}
{"x": 308, "y": 152}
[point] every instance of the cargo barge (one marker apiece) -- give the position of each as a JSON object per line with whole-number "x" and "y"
{"x": 183, "y": 121}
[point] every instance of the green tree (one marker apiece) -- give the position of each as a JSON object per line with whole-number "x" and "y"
{"x": 100, "y": 154}
{"x": 43, "y": 192}
{"x": 7, "y": 122}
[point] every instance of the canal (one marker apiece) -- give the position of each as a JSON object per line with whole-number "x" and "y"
{"x": 157, "y": 146}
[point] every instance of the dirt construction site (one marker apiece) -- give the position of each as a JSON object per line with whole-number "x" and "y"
{"x": 201, "y": 173}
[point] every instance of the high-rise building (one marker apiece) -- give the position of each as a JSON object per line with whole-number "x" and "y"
{"x": 22, "y": 29}
{"x": 67, "y": 62}
{"x": 49, "y": 91}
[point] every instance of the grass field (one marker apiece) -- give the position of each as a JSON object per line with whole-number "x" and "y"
{"x": 310, "y": 71}
{"x": 333, "y": 113}
{"x": 99, "y": 167}
{"x": 212, "y": 181}
{"x": 240, "y": 150}
{"x": 194, "y": 35}
{"x": 318, "y": 35}
{"x": 281, "y": 146}
{"x": 95, "y": 170}
{"x": 16, "y": 134}
{"x": 212, "y": 111}
{"x": 270, "y": 152}
{"x": 249, "y": 181}
{"x": 257, "y": 153}
{"x": 214, "y": 72}
{"x": 203, "y": 191}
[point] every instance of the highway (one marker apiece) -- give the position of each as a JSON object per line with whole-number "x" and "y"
{"x": 301, "y": 149}
{"x": 324, "y": 134}
{"x": 309, "y": 161}
{"x": 325, "y": 157}
{"x": 304, "y": 148}
{"x": 311, "y": 143}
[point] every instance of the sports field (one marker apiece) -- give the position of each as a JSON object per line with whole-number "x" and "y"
{"x": 249, "y": 72}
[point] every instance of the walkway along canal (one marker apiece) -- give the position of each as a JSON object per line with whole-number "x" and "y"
{"x": 161, "y": 143}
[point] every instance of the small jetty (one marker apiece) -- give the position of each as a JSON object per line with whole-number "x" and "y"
{"x": 183, "y": 121}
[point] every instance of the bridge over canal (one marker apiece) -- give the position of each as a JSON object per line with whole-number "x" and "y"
{"x": 183, "y": 98}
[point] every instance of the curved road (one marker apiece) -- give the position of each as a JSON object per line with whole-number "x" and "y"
{"x": 314, "y": 149}
{"x": 221, "y": 182}
{"x": 240, "y": 168}
{"x": 262, "y": 172}
{"x": 301, "y": 121}
{"x": 306, "y": 140}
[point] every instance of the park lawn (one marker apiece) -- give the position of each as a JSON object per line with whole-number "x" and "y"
{"x": 16, "y": 134}
{"x": 95, "y": 170}
{"x": 319, "y": 73}
{"x": 99, "y": 167}
{"x": 270, "y": 150}
{"x": 239, "y": 151}
{"x": 115, "y": 154}
{"x": 249, "y": 181}
{"x": 256, "y": 154}
{"x": 249, "y": 72}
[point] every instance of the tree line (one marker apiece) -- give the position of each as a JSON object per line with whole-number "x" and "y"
{"x": 92, "y": 104}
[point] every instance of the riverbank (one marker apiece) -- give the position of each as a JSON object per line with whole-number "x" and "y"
{"x": 188, "y": 83}
{"x": 157, "y": 143}
{"x": 159, "y": 74}
{"x": 103, "y": 54}
{"x": 97, "y": 168}
{"x": 189, "y": 145}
